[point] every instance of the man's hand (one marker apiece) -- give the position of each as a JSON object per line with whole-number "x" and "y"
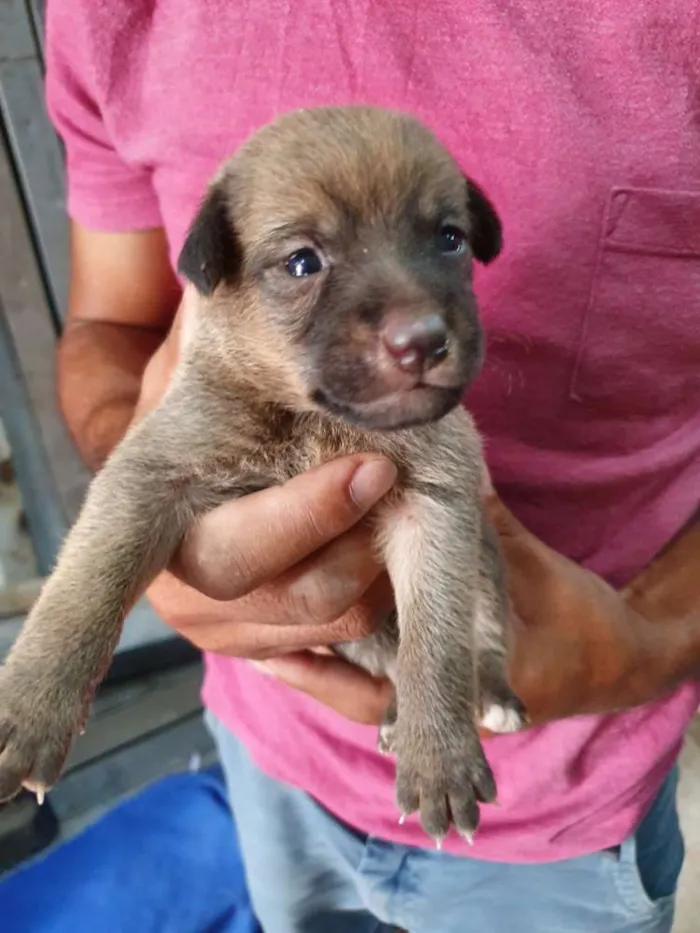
{"x": 577, "y": 645}
{"x": 289, "y": 570}
{"x": 284, "y": 569}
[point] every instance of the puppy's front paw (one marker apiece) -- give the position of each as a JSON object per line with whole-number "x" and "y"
{"x": 36, "y": 729}
{"x": 445, "y": 781}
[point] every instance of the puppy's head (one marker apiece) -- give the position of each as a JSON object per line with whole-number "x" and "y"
{"x": 344, "y": 238}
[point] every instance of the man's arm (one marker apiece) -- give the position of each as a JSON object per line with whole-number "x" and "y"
{"x": 123, "y": 300}
{"x": 668, "y": 591}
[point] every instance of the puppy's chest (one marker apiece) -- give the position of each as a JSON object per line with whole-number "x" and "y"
{"x": 278, "y": 455}
{"x": 275, "y": 449}
{"x": 239, "y": 446}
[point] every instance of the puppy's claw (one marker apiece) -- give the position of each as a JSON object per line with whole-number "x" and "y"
{"x": 402, "y": 819}
{"x": 468, "y": 838}
{"x": 39, "y": 790}
{"x": 438, "y": 842}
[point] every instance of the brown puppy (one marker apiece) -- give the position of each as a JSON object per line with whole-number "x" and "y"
{"x": 333, "y": 254}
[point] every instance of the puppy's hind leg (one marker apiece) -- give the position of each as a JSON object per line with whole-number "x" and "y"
{"x": 377, "y": 654}
{"x": 501, "y": 710}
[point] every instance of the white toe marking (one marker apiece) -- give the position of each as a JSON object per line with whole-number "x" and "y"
{"x": 501, "y": 720}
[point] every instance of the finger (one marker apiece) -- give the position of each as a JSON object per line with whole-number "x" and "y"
{"x": 321, "y": 589}
{"x": 246, "y": 542}
{"x": 511, "y": 531}
{"x": 531, "y": 564}
{"x": 334, "y": 682}
{"x": 247, "y": 636}
{"x": 326, "y": 585}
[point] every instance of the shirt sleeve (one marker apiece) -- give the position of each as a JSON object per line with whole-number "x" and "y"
{"x": 104, "y": 192}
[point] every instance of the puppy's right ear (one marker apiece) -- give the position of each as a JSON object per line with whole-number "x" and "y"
{"x": 211, "y": 253}
{"x": 487, "y": 231}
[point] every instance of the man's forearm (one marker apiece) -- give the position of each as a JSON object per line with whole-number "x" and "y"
{"x": 668, "y": 591}
{"x": 100, "y": 370}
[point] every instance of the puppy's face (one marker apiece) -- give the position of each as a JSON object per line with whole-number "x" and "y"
{"x": 347, "y": 237}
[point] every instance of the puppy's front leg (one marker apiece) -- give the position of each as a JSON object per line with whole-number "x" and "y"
{"x": 134, "y": 516}
{"x": 431, "y": 546}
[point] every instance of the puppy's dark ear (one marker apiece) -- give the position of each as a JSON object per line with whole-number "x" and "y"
{"x": 486, "y": 238}
{"x": 211, "y": 253}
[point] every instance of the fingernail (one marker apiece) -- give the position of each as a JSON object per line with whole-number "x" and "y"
{"x": 371, "y": 481}
{"x": 262, "y": 666}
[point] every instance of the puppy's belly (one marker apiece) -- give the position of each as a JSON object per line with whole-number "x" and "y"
{"x": 375, "y": 654}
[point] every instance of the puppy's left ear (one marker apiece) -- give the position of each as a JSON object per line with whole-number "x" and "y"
{"x": 486, "y": 237}
{"x": 211, "y": 252}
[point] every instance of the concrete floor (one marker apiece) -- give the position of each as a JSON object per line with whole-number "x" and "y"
{"x": 16, "y": 555}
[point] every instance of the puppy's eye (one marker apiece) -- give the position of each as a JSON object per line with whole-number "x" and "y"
{"x": 303, "y": 262}
{"x": 451, "y": 239}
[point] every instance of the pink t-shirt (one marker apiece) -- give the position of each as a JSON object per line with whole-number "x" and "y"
{"x": 582, "y": 121}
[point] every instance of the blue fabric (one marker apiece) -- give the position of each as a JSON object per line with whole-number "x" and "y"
{"x": 165, "y": 861}
{"x": 309, "y": 873}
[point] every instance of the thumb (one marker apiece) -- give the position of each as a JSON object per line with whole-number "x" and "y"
{"x": 334, "y": 682}
{"x": 521, "y": 548}
{"x": 529, "y": 562}
{"x": 503, "y": 520}
{"x": 249, "y": 541}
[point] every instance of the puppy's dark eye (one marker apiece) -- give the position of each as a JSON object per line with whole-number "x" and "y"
{"x": 451, "y": 239}
{"x": 303, "y": 262}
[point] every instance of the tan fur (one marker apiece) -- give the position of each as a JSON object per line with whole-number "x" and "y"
{"x": 282, "y": 373}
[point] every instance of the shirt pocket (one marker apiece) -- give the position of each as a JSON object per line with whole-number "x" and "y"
{"x": 639, "y": 345}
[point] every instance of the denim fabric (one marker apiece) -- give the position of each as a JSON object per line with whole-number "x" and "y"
{"x": 309, "y": 873}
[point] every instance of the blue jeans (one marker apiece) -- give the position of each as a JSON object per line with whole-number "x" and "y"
{"x": 309, "y": 873}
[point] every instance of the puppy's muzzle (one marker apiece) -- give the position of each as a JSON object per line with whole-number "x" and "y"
{"x": 416, "y": 344}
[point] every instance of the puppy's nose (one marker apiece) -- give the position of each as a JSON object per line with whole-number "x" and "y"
{"x": 417, "y": 344}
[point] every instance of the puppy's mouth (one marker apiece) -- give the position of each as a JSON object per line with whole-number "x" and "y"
{"x": 396, "y": 410}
